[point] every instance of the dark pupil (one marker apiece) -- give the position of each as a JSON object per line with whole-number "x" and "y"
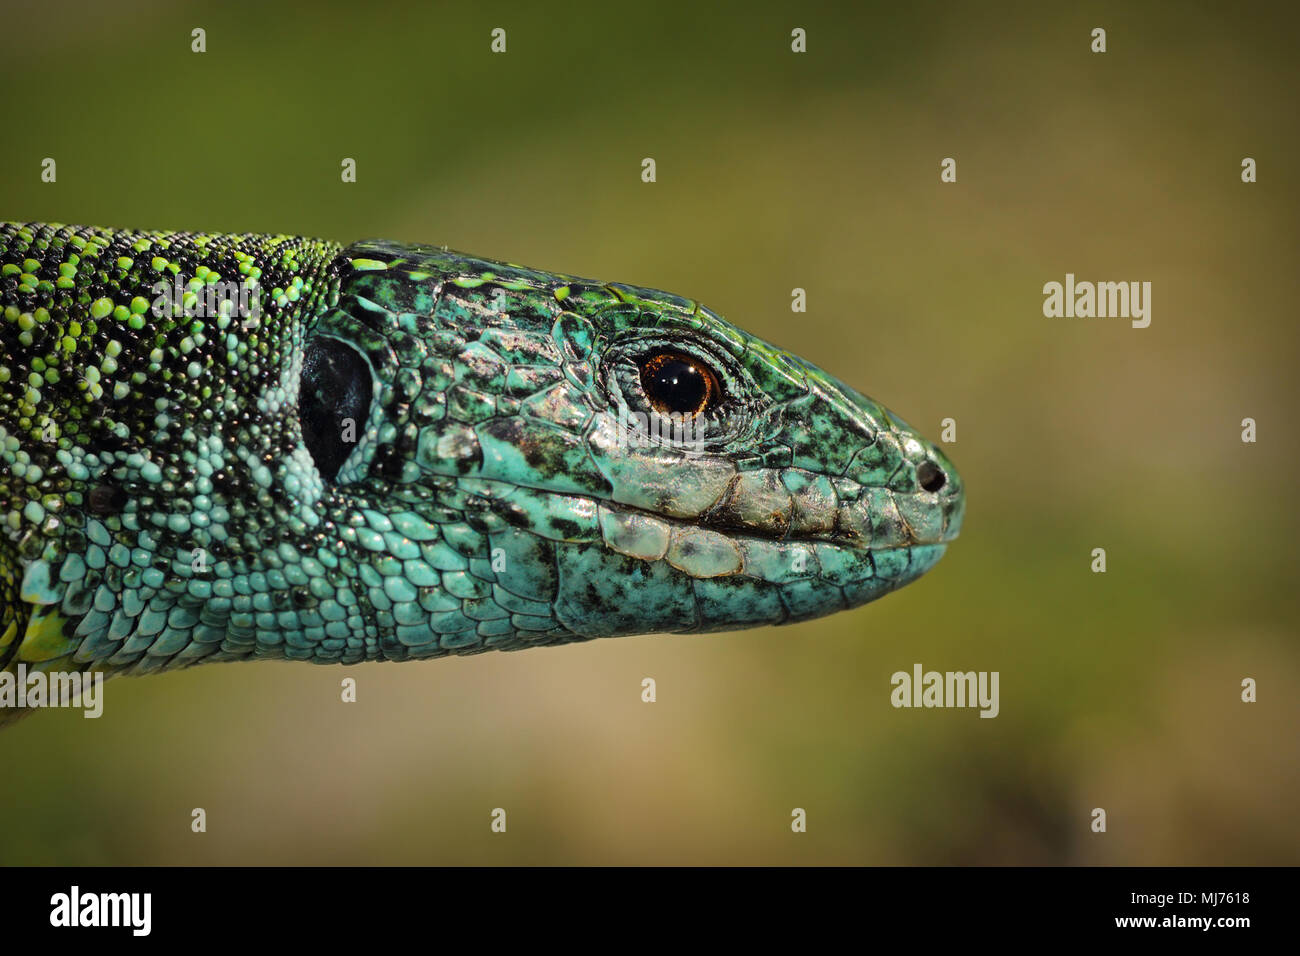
{"x": 333, "y": 401}
{"x": 675, "y": 385}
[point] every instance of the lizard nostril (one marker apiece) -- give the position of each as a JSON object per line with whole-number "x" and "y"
{"x": 930, "y": 476}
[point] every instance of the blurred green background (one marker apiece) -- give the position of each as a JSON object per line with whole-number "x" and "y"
{"x": 775, "y": 170}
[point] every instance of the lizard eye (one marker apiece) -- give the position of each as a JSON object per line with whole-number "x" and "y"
{"x": 679, "y": 384}
{"x": 333, "y": 402}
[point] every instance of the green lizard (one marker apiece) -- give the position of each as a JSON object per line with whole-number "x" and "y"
{"x": 225, "y": 447}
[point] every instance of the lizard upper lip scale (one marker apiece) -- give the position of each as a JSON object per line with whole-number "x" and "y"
{"x": 222, "y": 447}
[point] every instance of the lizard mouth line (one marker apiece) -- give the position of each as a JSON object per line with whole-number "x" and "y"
{"x": 848, "y": 542}
{"x": 643, "y": 532}
{"x": 705, "y": 552}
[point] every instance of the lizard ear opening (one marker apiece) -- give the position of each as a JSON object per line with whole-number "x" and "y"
{"x": 333, "y": 402}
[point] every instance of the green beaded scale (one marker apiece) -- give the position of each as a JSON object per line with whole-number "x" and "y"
{"x": 166, "y": 500}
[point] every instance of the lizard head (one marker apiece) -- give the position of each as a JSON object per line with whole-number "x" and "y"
{"x": 220, "y": 447}
{"x": 596, "y": 460}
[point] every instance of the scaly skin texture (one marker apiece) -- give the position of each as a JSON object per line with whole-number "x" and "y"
{"x": 161, "y": 507}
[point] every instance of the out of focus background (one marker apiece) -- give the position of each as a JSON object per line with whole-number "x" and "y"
{"x": 775, "y": 170}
